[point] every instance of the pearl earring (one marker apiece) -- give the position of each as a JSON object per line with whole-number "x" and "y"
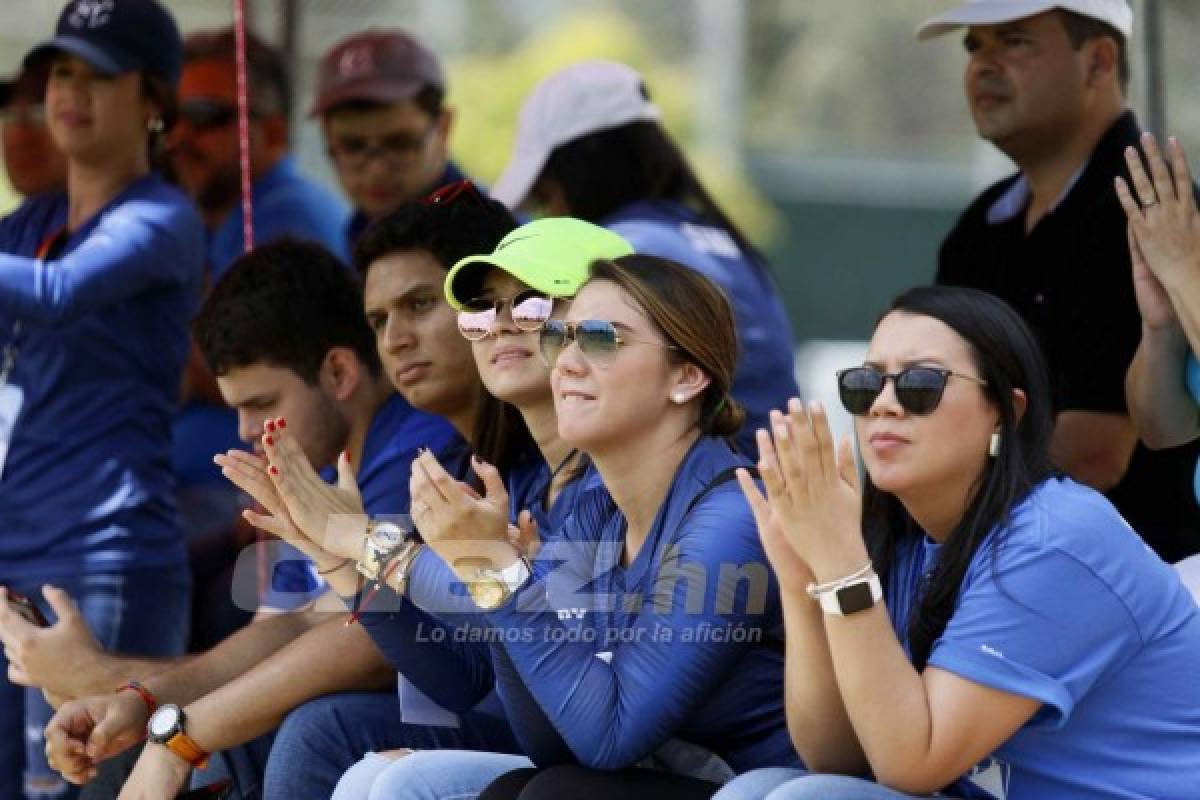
{"x": 994, "y": 445}
{"x": 679, "y": 397}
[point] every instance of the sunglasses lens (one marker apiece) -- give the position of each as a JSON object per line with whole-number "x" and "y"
{"x": 530, "y": 310}
{"x": 203, "y": 115}
{"x": 475, "y": 322}
{"x": 597, "y": 339}
{"x": 858, "y": 389}
{"x": 552, "y": 340}
{"x": 919, "y": 389}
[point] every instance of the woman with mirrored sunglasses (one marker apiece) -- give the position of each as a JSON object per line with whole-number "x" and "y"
{"x": 966, "y": 621}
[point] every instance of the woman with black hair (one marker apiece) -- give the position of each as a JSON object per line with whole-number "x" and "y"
{"x": 1029, "y": 645}
{"x": 590, "y": 144}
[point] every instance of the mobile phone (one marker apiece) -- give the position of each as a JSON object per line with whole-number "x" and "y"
{"x": 26, "y": 608}
{"x": 214, "y": 791}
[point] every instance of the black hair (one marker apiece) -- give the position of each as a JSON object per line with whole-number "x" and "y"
{"x": 1081, "y": 29}
{"x": 1007, "y": 357}
{"x": 472, "y": 224}
{"x": 285, "y": 304}
{"x": 429, "y": 98}
{"x": 603, "y": 172}
{"x": 270, "y": 84}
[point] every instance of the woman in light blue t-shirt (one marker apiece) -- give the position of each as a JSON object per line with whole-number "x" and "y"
{"x": 1024, "y": 643}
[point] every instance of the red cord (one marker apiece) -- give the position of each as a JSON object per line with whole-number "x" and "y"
{"x": 243, "y": 119}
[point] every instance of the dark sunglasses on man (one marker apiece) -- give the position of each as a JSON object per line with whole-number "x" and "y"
{"x": 204, "y": 115}
{"x": 918, "y": 389}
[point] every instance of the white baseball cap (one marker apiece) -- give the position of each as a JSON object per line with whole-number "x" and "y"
{"x": 1116, "y": 13}
{"x": 582, "y": 99}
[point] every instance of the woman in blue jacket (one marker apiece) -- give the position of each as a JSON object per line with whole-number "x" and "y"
{"x": 646, "y": 633}
{"x": 97, "y": 286}
{"x": 1028, "y": 644}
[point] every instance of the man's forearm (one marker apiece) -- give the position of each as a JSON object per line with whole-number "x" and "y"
{"x": 199, "y": 675}
{"x": 333, "y": 657}
{"x": 112, "y": 671}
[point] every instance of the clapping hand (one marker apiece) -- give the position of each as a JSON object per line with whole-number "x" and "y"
{"x": 810, "y": 517}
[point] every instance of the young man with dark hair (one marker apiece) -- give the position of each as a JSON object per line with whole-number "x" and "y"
{"x": 285, "y": 334}
{"x": 1045, "y": 84}
{"x": 380, "y": 100}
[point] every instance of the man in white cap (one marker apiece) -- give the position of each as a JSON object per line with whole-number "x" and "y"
{"x": 1045, "y": 82}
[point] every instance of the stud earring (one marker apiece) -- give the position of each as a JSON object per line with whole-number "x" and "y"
{"x": 679, "y": 397}
{"x": 994, "y": 445}
{"x": 155, "y": 125}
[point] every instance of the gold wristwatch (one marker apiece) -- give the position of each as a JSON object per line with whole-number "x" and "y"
{"x": 493, "y": 587}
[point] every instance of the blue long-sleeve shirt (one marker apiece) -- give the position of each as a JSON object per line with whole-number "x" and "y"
{"x": 681, "y": 644}
{"x": 102, "y": 342}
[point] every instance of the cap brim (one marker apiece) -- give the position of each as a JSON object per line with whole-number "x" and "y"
{"x": 99, "y": 59}
{"x": 465, "y": 278}
{"x": 383, "y": 92}
{"x": 518, "y": 178}
{"x": 980, "y": 13}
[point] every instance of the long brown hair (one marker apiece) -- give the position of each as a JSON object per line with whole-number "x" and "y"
{"x": 694, "y": 315}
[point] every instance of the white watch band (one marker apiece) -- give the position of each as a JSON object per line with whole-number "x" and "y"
{"x": 832, "y": 599}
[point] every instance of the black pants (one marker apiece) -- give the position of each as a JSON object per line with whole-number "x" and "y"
{"x": 580, "y": 783}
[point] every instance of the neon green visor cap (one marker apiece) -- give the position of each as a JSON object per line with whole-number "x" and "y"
{"x": 551, "y": 255}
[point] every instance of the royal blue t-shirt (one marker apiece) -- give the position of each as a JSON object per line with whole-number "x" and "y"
{"x": 395, "y": 436}
{"x": 284, "y": 203}
{"x": 1073, "y": 610}
{"x": 681, "y": 644}
{"x": 87, "y": 485}
{"x": 765, "y": 374}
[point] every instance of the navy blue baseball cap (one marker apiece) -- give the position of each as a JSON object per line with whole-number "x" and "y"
{"x": 117, "y": 36}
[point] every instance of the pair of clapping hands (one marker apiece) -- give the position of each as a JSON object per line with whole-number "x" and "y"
{"x": 327, "y": 522}
{"x": 1163, "y": 228}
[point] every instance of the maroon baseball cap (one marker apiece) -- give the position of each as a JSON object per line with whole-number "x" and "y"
{"x": 382, "y": 65}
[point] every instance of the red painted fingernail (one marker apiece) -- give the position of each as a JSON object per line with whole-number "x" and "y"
{"x": 346, "y": 453}
{"x": 274, "y": 470}
{"x": 271, "y": 425}
{"x": 282, "y": 422}
{"x": 268, "y": 440}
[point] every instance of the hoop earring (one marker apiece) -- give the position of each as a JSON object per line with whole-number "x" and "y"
{"x": 994, "y": 445}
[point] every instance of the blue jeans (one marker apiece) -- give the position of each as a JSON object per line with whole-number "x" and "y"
{"x": 323, "y": 738}
{"x": 141, "y": 612}
{"x": 426, "y": 775}
{"x": 781, "y": 783}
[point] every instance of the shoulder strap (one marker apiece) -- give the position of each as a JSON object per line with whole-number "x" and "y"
{"x": 724, "y": 476}
{"x": 773, "y": 644}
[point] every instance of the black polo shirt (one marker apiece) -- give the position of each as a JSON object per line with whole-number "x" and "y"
{"x": 1071, "y": 280}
